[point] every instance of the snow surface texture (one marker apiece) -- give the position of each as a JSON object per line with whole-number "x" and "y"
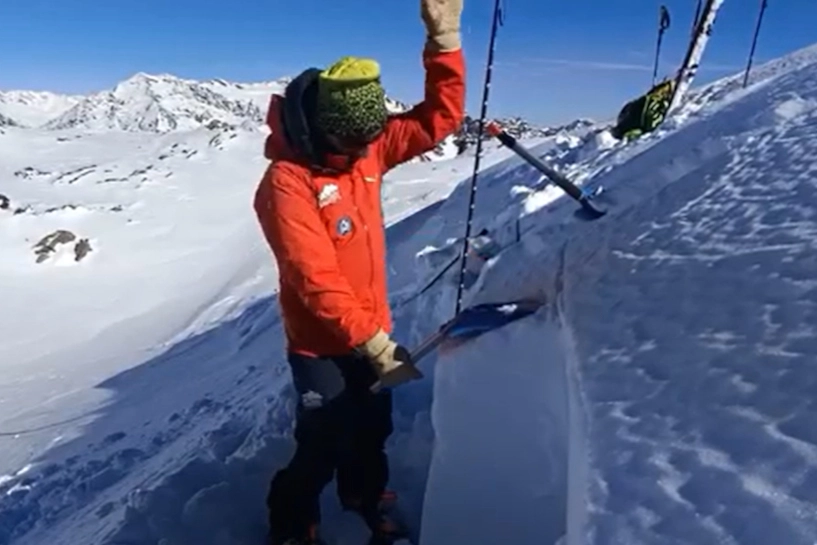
{"x": 662, "y": 395}
{"x": 687, "y": 319}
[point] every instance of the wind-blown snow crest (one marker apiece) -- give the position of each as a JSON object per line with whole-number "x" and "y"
{"x": 661, "y": 395}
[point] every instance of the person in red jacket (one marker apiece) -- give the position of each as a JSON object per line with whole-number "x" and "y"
{"x": 319, "y": 208}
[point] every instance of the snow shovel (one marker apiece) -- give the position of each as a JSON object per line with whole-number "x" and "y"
{"x": 474, "y": 321}
{"x": 468, "y": 324}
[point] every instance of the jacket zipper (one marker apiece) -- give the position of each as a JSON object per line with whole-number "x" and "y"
{"x": 355, "y": 180}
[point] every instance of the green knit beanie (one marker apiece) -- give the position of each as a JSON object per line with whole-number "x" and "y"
{"x": 351, "y": 103}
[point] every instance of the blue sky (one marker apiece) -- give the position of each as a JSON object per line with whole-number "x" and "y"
{"x": 555, "y": 61}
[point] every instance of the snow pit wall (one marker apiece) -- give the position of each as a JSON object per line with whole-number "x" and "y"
{"x": 499, "y": 468}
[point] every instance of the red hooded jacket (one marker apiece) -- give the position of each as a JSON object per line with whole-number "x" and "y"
{"x": 322, "y": 216}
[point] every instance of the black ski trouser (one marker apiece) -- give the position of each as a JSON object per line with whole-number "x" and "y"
{"x": 340, "y": 430}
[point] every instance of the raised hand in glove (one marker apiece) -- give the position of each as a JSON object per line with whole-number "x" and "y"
{"x": 442, "y": 21}
{"x": 391, "y": 362}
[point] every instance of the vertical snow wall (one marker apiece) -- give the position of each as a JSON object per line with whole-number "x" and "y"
{"x": 499, "y": 469}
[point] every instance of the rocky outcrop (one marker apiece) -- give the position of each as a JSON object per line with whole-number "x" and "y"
{"x": 6, "y": 121}
{"x": 519, "y": 129}
{"x": 47, "y": 245}
{"x": 81, "y": 249}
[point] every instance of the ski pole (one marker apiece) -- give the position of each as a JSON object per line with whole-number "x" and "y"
{"x": 496, "y": 22}
{"x": 663, "y": 25}
{"x": 763, "y": 4}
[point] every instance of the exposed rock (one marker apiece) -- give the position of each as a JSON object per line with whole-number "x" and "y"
{"x": 63, "y": 207}
{"x": 81, "y": 249}
{"x": 5, "y": 202}
{"x": 30, "y": 172}
{"x": 6, "y": 121}
{"x": 48, "y": 244}
{"x": 219, "y": 125}
{"x": 518, "y": 128}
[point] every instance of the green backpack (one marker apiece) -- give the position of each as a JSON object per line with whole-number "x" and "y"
{"x": 645, "y": 113}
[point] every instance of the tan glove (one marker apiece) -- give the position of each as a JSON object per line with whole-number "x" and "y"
{"x": 442, "y": 20}
{"x": 391, "y": 362}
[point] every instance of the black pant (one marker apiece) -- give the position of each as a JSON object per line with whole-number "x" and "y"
{"x": 340, "y": 427}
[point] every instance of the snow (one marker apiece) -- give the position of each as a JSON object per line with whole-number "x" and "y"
{"x": 33, "y": 108}
{"x": 686, "y": 322}
{"x": 663, "y": 394}
{"x": 163, "y": 102}
{"x": 497, "y": 461}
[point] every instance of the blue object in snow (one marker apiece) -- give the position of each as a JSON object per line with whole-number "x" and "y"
{"x": 481, "y": 318}
{"x": 474, "y": 321}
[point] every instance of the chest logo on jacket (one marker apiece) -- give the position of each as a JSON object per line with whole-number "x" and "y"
{"x": 344, "y": 226}
{"x": 329, "y": 194}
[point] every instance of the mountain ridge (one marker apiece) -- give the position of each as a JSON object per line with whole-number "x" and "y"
{"x": 163, "y": 102}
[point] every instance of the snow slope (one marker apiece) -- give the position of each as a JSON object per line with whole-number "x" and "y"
{"x": 681, "y": 328}
{"x": 165, "y": 333}
{"x": 662, "y": 395}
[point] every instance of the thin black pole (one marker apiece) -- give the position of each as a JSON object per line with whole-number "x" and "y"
{"x": 497, "y": 21}
{"x": 754, "y": 42}
{"x": 695, "y": 19}
{"x": 663, "y": 25}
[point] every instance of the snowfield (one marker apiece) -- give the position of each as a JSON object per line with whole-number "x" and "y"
{"x": 664, "y": 394}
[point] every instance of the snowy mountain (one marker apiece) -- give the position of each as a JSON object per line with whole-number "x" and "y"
{"x": 33, "y": 108}
{"x": 663, "y": 394}
{"x": 162, "y": 103}
{"x": 521, "y": 129}
{"x": 150, "y": 103}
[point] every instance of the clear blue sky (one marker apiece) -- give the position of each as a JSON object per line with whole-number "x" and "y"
{"x": 556, "y": 60}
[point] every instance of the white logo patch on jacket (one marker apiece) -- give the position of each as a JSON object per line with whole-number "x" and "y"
{"x": 329, "y": 194}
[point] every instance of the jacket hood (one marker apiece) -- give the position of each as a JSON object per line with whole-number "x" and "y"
{"x": 287, "y": 118}
{"x": 293, "y": 136}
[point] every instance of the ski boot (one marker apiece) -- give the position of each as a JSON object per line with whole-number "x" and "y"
{"x": 385, "y": 525}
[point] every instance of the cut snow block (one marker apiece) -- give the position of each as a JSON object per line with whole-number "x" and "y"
{"x": 498, "y": 469}
{"x": 474, "y": 321}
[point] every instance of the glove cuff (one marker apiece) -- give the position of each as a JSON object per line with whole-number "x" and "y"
{"x": 449, "y": 40}
{"x": 376, "y": 345}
